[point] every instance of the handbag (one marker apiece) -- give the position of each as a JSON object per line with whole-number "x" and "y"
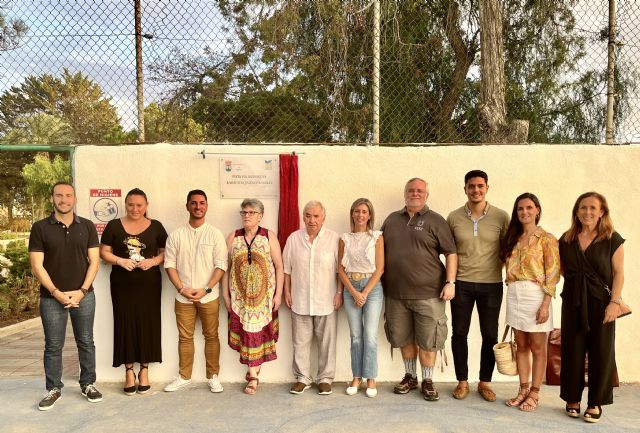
{"x": 505, "y": 354}
{"x": 554, "y": 361}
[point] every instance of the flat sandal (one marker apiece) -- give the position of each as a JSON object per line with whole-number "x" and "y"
{"x": 531, "y": 401}
{"x": 253, "y": 388}
{"x": 522, "y": 396}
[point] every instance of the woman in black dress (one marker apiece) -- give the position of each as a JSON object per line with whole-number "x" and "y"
{"x": 134, "y": 245}
{"x": 592, "y": 261}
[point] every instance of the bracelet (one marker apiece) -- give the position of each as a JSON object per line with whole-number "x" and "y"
{"x": 53, "y": 291}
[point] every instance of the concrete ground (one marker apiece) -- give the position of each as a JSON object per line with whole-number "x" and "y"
{"x": 273, "y": 409}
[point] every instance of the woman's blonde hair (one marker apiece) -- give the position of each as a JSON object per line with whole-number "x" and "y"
{"x": 604, "y": 228}
{"x": 357, "y": 203}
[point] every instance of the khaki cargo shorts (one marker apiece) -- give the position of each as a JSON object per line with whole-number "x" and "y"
{"x": 423, "y": 321}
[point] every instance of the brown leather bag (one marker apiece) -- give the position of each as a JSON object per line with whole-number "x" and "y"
{"x": 554, "y": 361}
{"x": 553, "y": 357}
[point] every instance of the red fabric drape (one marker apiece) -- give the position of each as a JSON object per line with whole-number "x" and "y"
{"x": 289, "y": 214}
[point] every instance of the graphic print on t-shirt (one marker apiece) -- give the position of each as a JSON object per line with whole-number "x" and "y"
{"x": 135, "y": 247}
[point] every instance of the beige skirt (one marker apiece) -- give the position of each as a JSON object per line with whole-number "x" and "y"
{"x": 523, "y": 301}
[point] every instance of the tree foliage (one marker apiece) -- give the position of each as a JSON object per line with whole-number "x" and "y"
{"x": 40, "y": 176}
{"x": 262, "y": 117}
{"x": 319, "y": 55}
{"x": 12, "y": 184}
{"x": 41, "y": 128}
{"x": 74, "y": 99}
{"x": 166, "y": 122}
{"x": 12, "y": 31}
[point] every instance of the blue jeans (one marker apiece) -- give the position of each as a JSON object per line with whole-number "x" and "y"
{"x": 363, "y": 326}
{"x": 54, "y": 321}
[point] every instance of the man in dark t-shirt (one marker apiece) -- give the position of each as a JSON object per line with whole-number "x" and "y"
{"x": 64, "y": 256}
{"x": 417, "y": 285}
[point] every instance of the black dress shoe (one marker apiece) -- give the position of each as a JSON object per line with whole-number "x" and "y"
{"x": 130, "y": 390}
{"x": 143, "y": 389}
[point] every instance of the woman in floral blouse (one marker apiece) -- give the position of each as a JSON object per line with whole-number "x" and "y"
{"x": 532, "y": 262}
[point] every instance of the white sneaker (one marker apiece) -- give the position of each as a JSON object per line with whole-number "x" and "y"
{"x": 372, "y": 392}
{"x": 214, "y": 384}
{"x": 178, "y": 382}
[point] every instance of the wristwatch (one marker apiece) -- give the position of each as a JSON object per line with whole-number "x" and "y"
{"x": 450, "y": 282}
{"x": 85, "y": 291}
{"x": 208, "y": 290}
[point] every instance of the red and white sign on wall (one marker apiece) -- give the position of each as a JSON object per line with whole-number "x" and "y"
{"x": 106, "y": 205}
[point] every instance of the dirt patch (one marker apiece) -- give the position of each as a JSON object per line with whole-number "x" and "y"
{"x": 17, "y": 318}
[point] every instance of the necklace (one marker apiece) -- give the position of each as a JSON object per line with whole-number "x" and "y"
{"x": 249, "y": 244}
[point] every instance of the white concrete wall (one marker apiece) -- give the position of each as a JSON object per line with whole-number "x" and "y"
{"x": 337, "y": 175}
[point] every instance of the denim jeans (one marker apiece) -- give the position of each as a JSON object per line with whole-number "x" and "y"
{"x": 54, "y": 321}
{"x": 363, "y": 328}
{"x": 488, "y": 298}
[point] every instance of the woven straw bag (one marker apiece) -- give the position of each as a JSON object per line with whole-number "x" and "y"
{"x": 505, "y": 353}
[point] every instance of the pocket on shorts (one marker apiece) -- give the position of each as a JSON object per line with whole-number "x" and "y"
{"x": 387, "y": 331}
{"x": 442, "y": 331}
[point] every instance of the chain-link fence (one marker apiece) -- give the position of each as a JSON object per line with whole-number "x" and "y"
{"x": 303, "y": 71}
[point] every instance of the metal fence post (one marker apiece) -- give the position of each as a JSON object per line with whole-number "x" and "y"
{"x": 139, "y": 79}
{"x": 376, "y": 72}
{"x": 611, "y": 65}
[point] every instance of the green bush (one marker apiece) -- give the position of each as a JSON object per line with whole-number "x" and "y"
{"x": 20, "y": 225}
{"x": 17, "y": 252}
{"x": 19, "y": 291}
{"x": 5, "y": 305}
{"x": 19, "y": 294}
{"x": 7, "y": 235}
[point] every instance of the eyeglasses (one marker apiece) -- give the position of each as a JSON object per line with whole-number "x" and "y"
{"x": 249, "y": 212}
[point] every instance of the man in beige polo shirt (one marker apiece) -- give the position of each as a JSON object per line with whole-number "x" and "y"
{"x": 477, "y": 228}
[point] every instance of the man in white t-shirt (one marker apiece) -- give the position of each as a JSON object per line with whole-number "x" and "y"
{"x": 195, "y": 261}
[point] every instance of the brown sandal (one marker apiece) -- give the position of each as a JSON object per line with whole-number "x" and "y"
{"x": 247, "y": 376}
{"x": 522, "y": 396}
{"x": 251, "y": 389}
{"x": 530, "y": 403}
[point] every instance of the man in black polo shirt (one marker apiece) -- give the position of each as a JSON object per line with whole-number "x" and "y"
{"x": 417, "y": 285}
{"x": 64, "y": 255}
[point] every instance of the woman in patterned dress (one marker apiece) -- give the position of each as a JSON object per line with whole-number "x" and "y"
{"x": 532, "y": 262}
{"x": 252, "y": 291}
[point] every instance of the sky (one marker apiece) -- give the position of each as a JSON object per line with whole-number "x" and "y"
{"x": 97, "y": 38}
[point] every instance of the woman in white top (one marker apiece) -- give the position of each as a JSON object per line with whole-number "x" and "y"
{"x": 361, "y": 258}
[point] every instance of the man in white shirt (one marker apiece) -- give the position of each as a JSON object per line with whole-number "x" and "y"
{"x": 195, "y": 261}
{"x": 314, "y": 294}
